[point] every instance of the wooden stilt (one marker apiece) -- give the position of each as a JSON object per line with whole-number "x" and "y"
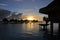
{"x": 59, "y": 28}
{"x": 51, "y": 28}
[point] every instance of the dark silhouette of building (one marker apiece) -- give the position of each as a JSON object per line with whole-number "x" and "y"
{"x": 53, "y": 11}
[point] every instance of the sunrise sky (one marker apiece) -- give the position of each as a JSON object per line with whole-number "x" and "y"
{"x": 27, "y": 7}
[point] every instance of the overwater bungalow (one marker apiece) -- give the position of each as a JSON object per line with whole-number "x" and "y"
{"x": 53, "y": 11}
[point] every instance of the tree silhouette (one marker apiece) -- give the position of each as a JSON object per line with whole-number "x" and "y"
{"x": 5, "y": 20}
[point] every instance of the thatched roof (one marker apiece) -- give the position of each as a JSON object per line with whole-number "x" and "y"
{"x": 53, "y": 10}
{"x": 53, "y": 7}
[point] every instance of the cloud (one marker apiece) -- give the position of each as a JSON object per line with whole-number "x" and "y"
{"x": 18, "y": 0}
{"x": 3, "y": 4}
{"x": 26, "y": 10}
{"x": 4, "y": 13}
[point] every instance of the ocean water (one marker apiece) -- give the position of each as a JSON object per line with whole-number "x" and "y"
{"x": 29, "y": 31}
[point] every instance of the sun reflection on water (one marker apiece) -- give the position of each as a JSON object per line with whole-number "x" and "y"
{"x": 30, "y": 28}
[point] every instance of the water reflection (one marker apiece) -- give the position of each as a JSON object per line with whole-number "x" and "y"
{"x": 22, "y": 31}
{"x": 30, "y": 28}
{"x": 18, "y": 30}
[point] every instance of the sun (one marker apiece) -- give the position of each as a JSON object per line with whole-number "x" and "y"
{"x": 30, "y": 18}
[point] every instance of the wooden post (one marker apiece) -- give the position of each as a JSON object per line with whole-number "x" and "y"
{"x": 59, "y": 28}
{"x": 51, "y": 28}
{"x": 46, "y": 23}
{"x": 44, "y": 28}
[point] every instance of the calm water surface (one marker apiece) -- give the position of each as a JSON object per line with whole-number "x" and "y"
{"x": 21, "y": 31}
